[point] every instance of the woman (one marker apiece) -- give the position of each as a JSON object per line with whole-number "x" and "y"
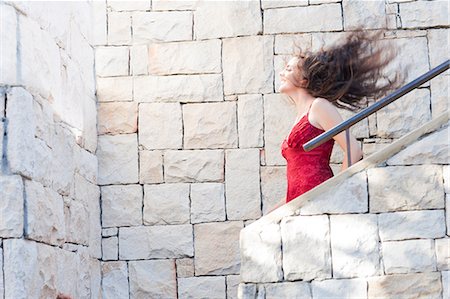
{"x": 343, "y": 76}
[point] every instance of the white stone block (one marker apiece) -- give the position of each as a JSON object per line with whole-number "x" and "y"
{"x": 129, "y": 5}
{"x": 247, "y": 290}
{"x": 115, "y": 280}
{"x": 273, "y": 186}
{"x": 76, "y": 221}
{"x": 297, "y": 289}
{"x": 447, "y": 213}
{"x": 355, "y": 246}
{"x": 207, "y": 202}
{"x": 424, "y": 14}
{"x": 439, "y": 95}
{"x": 2, "y": 288}
{"x": 284, "y": 43}
{"x": 368, "y": 14}
{"x": 109, "y": 232}
{"x": 438, "y": 53}
{"x": 121, "y": 205}
{"x": 99, "y": 23}
{"x": 202, "y": 287}
{"x": 446, "y": 284}
{"x": 86, "y": 164}
{"x": 139, "y": 60}
{"x": 306, "y": 247}
{"x": 232, "y": 286}
{"x": 8, "y": 47}
{"x": 150, "y": 167}
{"x": 62, "y": 162}
{"x": 185, "y": 267}
{"x": 119, "y": 28}
{"x": 110, "y": 249}
{"x": 114, "y": 89}
{"x": 95, "y": 228}
{"x": 112, "y": 61}
{"x": 250, "y": 121}
{"x": 11, "y": 206}
{"x": 89, "y": 133}
{"x": 117, "y": 118}
{"x": 443, "y": 254}
{"x": 161, "y": 5}
{"x": 265, "y": 4}
{"x": 340, "y": 288}
{"x": 409, "y": 256}
{"x": 314, "y": 2}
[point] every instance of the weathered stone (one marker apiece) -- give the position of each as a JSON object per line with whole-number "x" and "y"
{"x": 284, "y": 44}
{"x": 111, "y": 61}
{"x": 139, "y": 60}
{"x": 164, "y": 241}
{"x": 117, "y": 159}
{"x": 306, "y": 247}
{"x": 150, "y": 167}
{"x": 409, "y": 256}
{"x": 439, "y": 95}
{"x": 99, "y": 23}
{"x": 250, "y": 121}
{"x": 76, "y": 221}
{"x": 297, "y": 289}
{"x": 117, "y": 118}
{"x": 158, "y": 5}
{"x": 8, "y": 75}
{"x": 422, "y": 14}
{"x": 194, "y": 166}
{"x": 86, "y": 164}
{"x": 95, "y": 278}
{"x": 246, "y": 290}
{"x": 95, "y": 228}
{"x": 243, "y": 195}
{"x": 411, "y": 225}
{"x": 114, "y": 89}
{"x": 89, "y": 133}
{"x": 432, "y": 149}
{"x": 166, "y": 204}
{"x": 227, "y": 19}
{"x": 232, "y": 286}
{"x": 178, "y": 88}
{"x": 240, "y": 72}
{"x": 273, "y": 186}
{"x": 350, "y": 196}
{"x": 11, "y": 206}
{"x": 446, "y": 284}
{"x": 370, "y": 15}
{"x": 115, "y": 280}
{"x": 207, "y": 202}
{"x": 371, "y": 148}
{"x": 424, "y": 190}
{"x": 121, "y": 205}
{"x": 62, "y": 162}
{"x": 298, "y": 19}
{"x": 203, "y": 129}
{"x": 185, "y": 267}
{"x": 265, "y": 4}
{"x": 110, "y": 232}
{"x": 217, "y": 248}
{"x": 119, "y": 28}
{"x": 447, "y": 213}
{"x": 162, "y": 26}
{"x": 261, "y": 253}
{"x": 443, "y": 254}
{"x": 340, "y": 288}
{"x": 153, "y": 279}
{"x": 110, "y": 249}
{"x": 202, "y": 287}
{"x": 428, "y": 285}
{"x": 2, "y": 288}
{"x": 354, "y": 243}
{"x": 129, "y": 5}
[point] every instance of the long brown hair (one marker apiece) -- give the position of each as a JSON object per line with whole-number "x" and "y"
{"x": 348, "y": 74}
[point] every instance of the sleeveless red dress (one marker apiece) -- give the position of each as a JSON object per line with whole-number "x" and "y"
{"x": 305, "y": 170}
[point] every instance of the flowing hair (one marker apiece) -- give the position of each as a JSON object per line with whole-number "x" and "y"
{"x": 348, "y": 73}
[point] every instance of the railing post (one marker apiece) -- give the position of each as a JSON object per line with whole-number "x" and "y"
{"x": 347, "y": 140}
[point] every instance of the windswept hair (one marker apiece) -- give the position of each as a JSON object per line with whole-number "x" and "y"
{"x": 348, "y": 73}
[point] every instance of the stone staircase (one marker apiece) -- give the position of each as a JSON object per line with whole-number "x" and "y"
{"x": 379, "y": 229}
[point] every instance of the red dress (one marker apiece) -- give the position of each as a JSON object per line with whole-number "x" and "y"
{"x": 305, "y": 170}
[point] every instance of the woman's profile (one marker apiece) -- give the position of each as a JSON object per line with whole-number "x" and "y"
{"x": 345, "y": 75}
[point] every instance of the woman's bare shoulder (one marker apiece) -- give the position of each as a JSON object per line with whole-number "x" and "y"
{"x": 324, "y": 114}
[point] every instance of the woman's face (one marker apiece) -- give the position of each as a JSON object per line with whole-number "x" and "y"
{"x": 289, "y": 76}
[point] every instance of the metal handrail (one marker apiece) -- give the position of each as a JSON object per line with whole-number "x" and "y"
{"x": 345, "y": 125}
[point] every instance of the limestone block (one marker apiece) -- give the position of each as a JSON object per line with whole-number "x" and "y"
{"x": 371, "y": 148}
{"x": 158, "y": 5}
{"x": 340, "y": 288}
{"x": 194, "y": 166}
{"x": 438, "y": 54}
{"x": 210, "y": 125}
{"x": 313, "y": 2}
{"x": 11, "y": 206}
{"x": 85, "y": 164}
{"x": 439, "y": 95}
{"x": 306, "y": 247}
{"x": 232, "y": 286}
{"x": 217, "y": 248}
{"x": 96, "y": 278}
{"x": 153, "y": 279}
{"x": 428, "y": 285}
{"x": 279, "y": 116}
{"x": 243, "y": 195}
{"x": 424, "y": 190}
{"x": 8, "y": 75}
{"x": 95, "y": 228}
{"x": 110, "y": 249}
{"x": 240, "y": 72}
{"x": 111, "y": 61}
{"x": 115, "y": 280}
{"x": 350, "y": 196}
{"x": 2, "y": 133}
{"x": 325, "y": 17}
{"x": 432, "y": 149}
{"x": 110, "y": 232}
{"x": 443, "y": 254}
{"x": 207, "y": 202}
{"x": 89, "y": 133}
{"x": 159, "y": 241}
{"x": 139, "y": 60}
{"x": 409, "y": 256}
{"x": 297, "y": 289}
{"x": 166, "y": 204}
{"x": 185, "y": 267}
{"x": 447, "y": 213}
{"x": 284, "y": 44}
{"x": 247, "y": 290}
{"x": 128, "y": 5}
{"x": 190, "y": 57}
{"x": 160, "y": 125}
{"x": 395, "y": 226}
{"x": 44, "y": 119}
{"x": 117, "y": 118}
{"x": 121, "y": 205}
{"x": 150, "y": 167}
{"x": 370, "y": 14}
{"x": 354, "y": 243}
{"x": 250, "y": 121}
{"x": 45, "y": 214}
{"x": 62, "y": 162}
{"x": 265, "y": 4}
{"x": 423, "y": 14}
{"x": 76, "y": 221}
{"x": 114, "y": 89}
{"x": 202, "y": 287}
{"x": 445, "y": 284}
{"x": 273, "y": 186}
{"x": 117, "y": 159}
{"x": 326, "y": 40}
{"x": 261, "y": 253}
{"x": 85, "y": 191}
{"x": 99, "y": 23}
{"x": 162, "y": 26}
{"x": 119, "y": 28}
{"x": 178, "y": 88}
{"x": 2, "y": 288}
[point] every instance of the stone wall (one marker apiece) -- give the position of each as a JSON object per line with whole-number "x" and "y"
{"x": 50, "y": 233}
{"x": 190, "y": 124}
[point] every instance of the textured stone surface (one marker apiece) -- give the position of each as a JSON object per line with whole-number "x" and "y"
{"x": 273, "y": 186}
{"x": 247, "y": 290}
{"x": 119, "y": 28}
{"x": 139, "y": 60}
{"x": 115, "y": 280}
{"x": 160, "y": 126}
{"x": 284, "y": 43}
{"x": 369, "y": 14}
{"x": 202, "y": 287}
{"x": 117, "y": 118}
{"x": 243, "y": 196}
{"x": 306, "y": 247}
{"x": 232, "y": 286}
{"x": 340, "y": 288}
{"x": 297, "y": 289}
{"x": 419, "y": 15}
{"x": 62, "y": 163}
{"x": 109, "y": 232}
{"x": 240, "y": 72}
{"x": 185, "y": 267}
{"x": 445, "y": 284}
{"x": 110, "y": 249}
{"x": 194, "y": 166}
{"x": 447, "y": 213}
{"x": 250, "y": 121}
{"x": 76, "y": 218}
{"x": 2, "y": 288}
{"x": 265, "y": 4}
{"x": 411, "y": 225}
{"x": 11, "y": 206}
{"x": 207, "y": 202}
{"x": 443, "y": 254}
{"x": 153, "y": 279}
{"x": 354, "y": 243}
{"x": 159, "y": 5}
{"x": 150, "y": 167}
{"x": 211, "y": 125}
{"x": 8, "y": 72}
{"x": 129, "y": 5}
{"x": 424, "y": 190}
{"x": 159, "y": 241}
{"x": 99, "y": 23}
{"x": 115, "y": 89}
{"x": 117, "y": 159}
{"x": 121, "y": 205}
{"x": 111, "y": 61}
{"x": 217, "y": 248}
{"x": 166, "y": 204}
